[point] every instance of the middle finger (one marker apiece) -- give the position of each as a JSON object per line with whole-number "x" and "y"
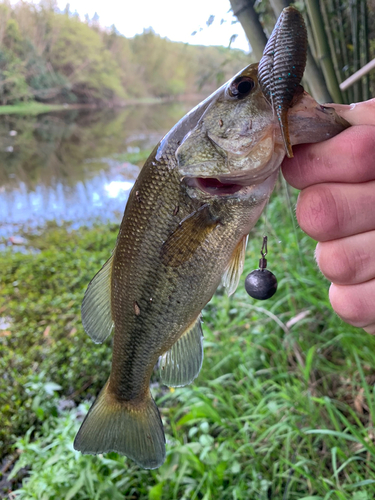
{"x": 330, "y": 211}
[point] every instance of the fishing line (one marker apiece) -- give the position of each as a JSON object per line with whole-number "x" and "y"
{"x": 266, "y": 227}
{"x": 261, "y": 283}
{"x": 286, "y": 188}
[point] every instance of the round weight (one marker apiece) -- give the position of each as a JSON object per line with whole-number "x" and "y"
{"x": 261, "y": 284}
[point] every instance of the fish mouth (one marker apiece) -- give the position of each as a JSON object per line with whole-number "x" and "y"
{"x": 223, "y": 185}
{"x": 213, "y": 186}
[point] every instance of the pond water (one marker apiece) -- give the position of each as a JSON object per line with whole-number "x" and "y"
{"x": 75, "y": 166}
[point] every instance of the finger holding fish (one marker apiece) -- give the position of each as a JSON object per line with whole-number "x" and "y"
{"x": 346, "y": 158}
{"x": 335, "y": 207}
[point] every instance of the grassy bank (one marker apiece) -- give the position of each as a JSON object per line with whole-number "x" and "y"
{"x": 282, "y": 409}
{"x": 36, "y": 108}
{"x": 30, "y": 108}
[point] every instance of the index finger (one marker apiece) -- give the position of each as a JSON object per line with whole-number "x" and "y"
{"x": 348, "y": 157}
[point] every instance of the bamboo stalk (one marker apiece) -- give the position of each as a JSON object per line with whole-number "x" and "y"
{"x": 355, "y": 42}
{"x": 344, "y": 47}
{"x": 329, "y": 30}
{"x": 334, "y": 38}
{"x": 278, "y": 6}
{"x": 310, "y": 35}
{"x": 315, "y": 80}
{"x": 323, "y": 52}
{"x": 365, "y": 49}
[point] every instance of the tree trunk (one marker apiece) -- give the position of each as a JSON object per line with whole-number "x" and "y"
{"x": 278, "y": 6}
{"x": 245, "y": 13}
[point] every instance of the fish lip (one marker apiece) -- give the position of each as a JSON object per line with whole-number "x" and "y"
{"x": 311, "y": 122}
{"x": 224, "y": 185}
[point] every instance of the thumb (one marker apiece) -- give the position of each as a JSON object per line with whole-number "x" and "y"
{"x": 359, "y": 113}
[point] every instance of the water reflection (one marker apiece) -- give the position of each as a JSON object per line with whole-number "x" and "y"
{"x": 75, "y": 166}
{"x": 102, "y": 197}
{"x": 115, "y": 187}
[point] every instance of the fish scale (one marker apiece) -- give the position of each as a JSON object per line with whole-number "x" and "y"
{"x": 160, "y": 184}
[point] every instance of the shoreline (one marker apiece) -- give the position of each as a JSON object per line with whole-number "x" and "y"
{"x": 36, "y": 108}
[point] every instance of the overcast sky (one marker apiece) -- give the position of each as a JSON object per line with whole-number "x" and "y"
{"x": 174, "y": 19}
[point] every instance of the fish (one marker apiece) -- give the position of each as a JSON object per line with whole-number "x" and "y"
{"x": 184, "y": 230}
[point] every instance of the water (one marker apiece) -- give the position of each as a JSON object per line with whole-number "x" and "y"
{"x": 75, "y": 166}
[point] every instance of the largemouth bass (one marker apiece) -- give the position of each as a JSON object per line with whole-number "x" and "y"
{"x": 184, "y": 229}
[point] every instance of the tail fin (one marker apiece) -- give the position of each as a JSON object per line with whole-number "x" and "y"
{"x": 134, "y": 431}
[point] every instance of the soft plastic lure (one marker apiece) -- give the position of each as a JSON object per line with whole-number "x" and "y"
{"x": 282, "y": 65}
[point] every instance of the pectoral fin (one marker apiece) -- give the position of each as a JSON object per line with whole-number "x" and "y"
{"x": 188, "y": 237}
{"x": 233, "y": 272}
{"x": 182, "y": 363}
{"x": 96, "y": 306}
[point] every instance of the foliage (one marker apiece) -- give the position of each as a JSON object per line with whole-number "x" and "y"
{"x": 43, "y": 293}
{"x": 79, "y": 55}
{"x": 283, "y": 407}
{"x": 52, "y": 56}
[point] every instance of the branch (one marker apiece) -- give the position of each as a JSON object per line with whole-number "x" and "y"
{"x": 245, "y": 13}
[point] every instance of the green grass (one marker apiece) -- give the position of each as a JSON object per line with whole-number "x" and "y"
{"x": 278, "y": 412}
{"x": 30, "y": 108}
{"x": 36, "y": 108}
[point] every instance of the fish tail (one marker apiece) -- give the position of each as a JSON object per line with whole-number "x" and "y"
{"x": 134, "y": 430}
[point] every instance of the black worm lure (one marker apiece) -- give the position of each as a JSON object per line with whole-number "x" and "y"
{"x": 282, "y": 65}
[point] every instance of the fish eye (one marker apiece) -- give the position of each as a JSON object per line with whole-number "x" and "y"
{"x": 241, "y": 87}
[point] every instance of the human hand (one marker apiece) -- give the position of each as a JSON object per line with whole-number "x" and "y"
{"x": 336, "y": 207}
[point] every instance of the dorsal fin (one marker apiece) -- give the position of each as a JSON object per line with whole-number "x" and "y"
{"x": 182, "y": 363}
{"x": 233, "y": 272}
{"x": 96, "y": 306}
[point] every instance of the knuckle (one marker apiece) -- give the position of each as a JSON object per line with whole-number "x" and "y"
{"x": 346, "y": 305}
{"x": 333, "y": 263}
{"x": 359, "y": 148}
{"x": 316, "y": 211}
{"x": 340, "y": 263}
{"x": 370, "y": 329}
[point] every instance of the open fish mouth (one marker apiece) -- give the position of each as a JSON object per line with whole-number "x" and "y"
{"x": 225, "y": 185}
{"x": 213, "y": 186}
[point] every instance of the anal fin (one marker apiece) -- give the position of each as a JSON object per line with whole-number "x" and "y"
{"x": 182, "y": 363}
{"x": 233, "y": 272}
